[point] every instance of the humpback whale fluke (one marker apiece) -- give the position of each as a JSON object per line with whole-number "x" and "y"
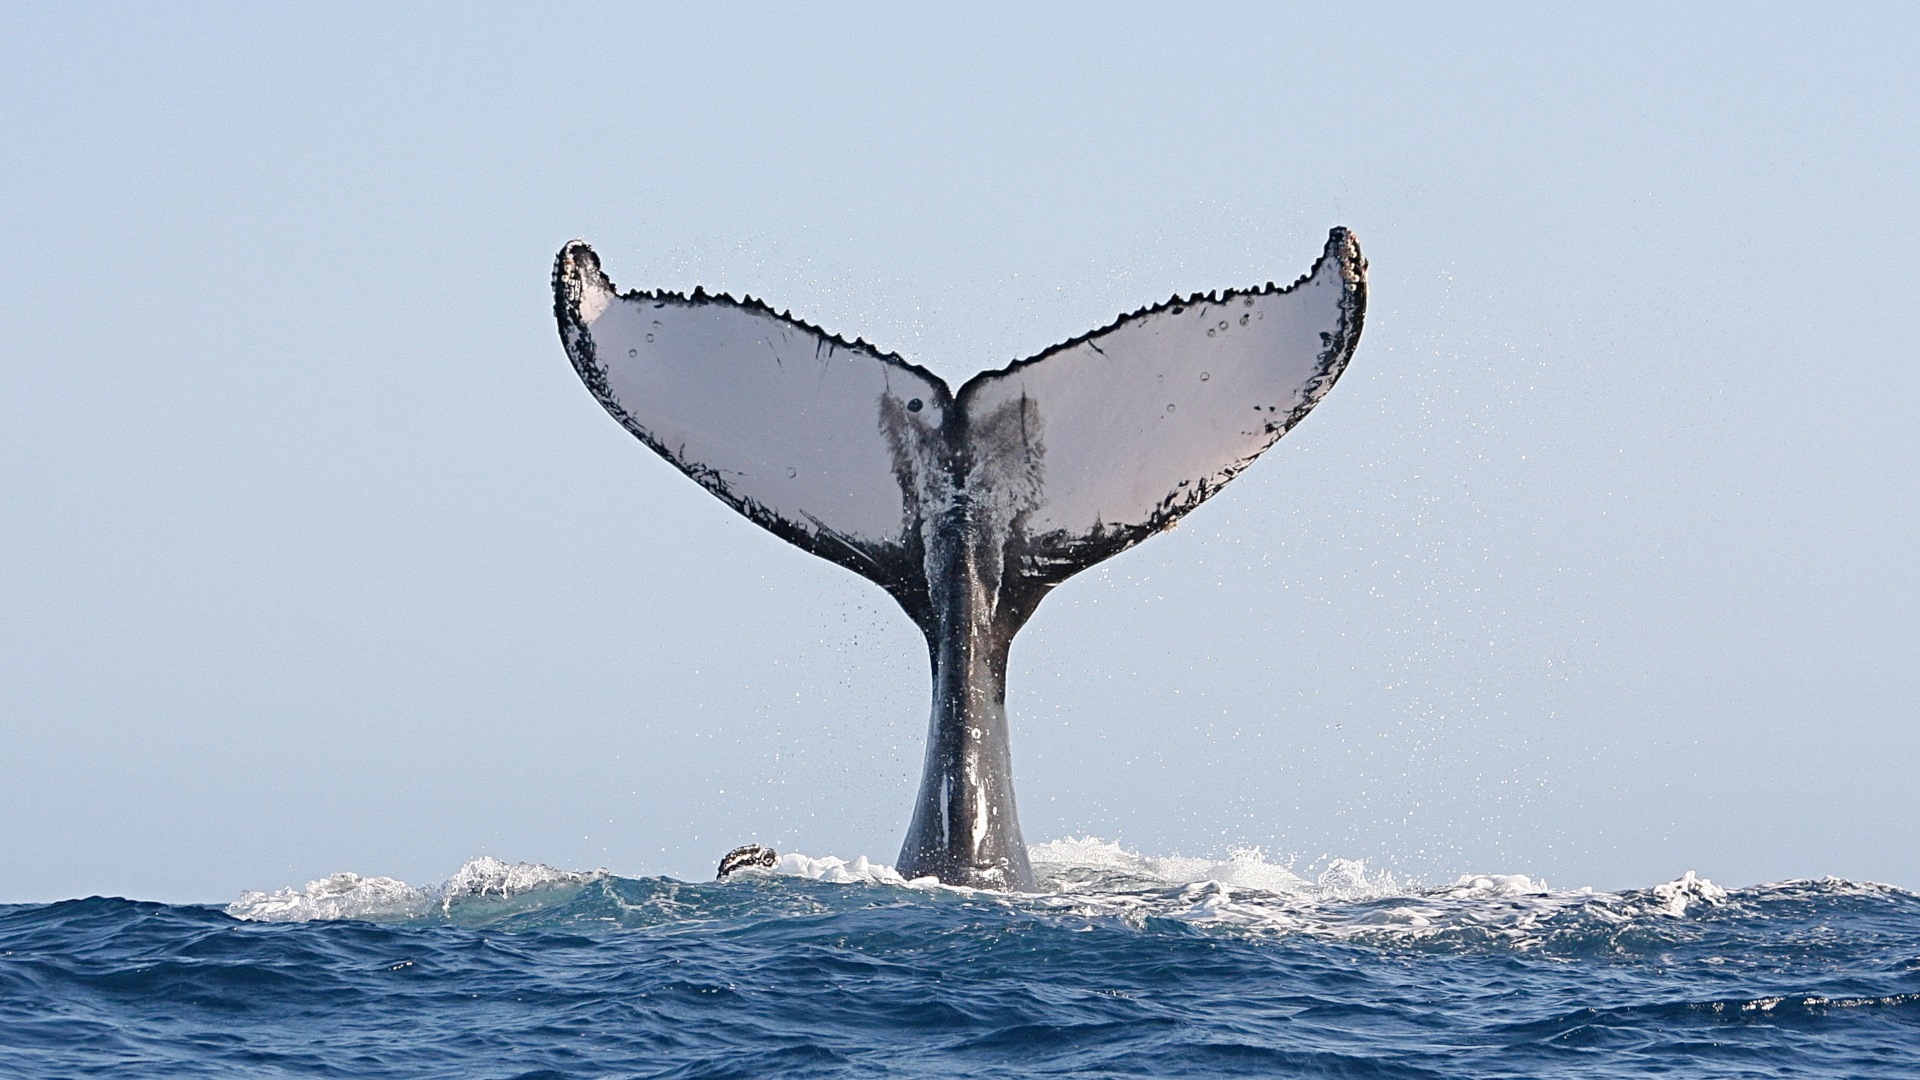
{"x": 968, "y": 508}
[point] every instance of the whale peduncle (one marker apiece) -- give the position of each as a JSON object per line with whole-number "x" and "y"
{"x": 965, "y": 828}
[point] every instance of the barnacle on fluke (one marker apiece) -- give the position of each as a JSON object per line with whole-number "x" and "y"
{"x": 968, "y": 508}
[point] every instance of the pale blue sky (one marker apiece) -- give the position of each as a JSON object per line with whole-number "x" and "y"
{"x": 1598, "y": 565}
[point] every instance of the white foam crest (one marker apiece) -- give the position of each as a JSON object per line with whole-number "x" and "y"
{"x": 1081, "y": 862}
{"x": 490, "y": 877}
{"x": 384, "y": 899}
{"x": 1675, "y": 896}
{"x": 336, "y": 896}
{"x": 1344, "y": 900}
{"x": 836, "y": 871}
{"x": 1480, "y": 885}
{"x": 1100, "y": 880}
{"x": 1348, "y": 903}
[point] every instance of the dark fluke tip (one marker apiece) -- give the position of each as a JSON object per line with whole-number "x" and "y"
{"x": 745, "y": 858}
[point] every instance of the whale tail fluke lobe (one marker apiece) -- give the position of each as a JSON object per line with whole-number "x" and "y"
{"x": 967, "y": 508}
{"x": 777, "y": 418}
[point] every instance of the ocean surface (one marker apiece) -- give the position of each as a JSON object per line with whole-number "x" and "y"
{"x": 1123, "y": 966}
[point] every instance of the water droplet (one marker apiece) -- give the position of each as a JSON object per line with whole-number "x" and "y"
{"x": 791, "y": 473}
{"x": 1249, "y": 301}
{"x": 914, "y": 405}
{"x": 1210, "y": 333}
{"x": 633, "y": 352}
{"x": 1169, "y": 407}
{"x": 1204, "y": 376}
{"x": 1223, "y": 324}
{"x": 649, "y": 337}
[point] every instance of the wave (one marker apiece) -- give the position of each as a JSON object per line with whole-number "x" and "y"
{"x": 1090, "y": 882}
{"x": 482, "y": 887}
{"x": 1124, "y": 964}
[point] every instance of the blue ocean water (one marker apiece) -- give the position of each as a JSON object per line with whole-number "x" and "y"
{"x": 1124, "y": 966}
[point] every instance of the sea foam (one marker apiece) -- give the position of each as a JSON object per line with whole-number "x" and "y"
{"x": 383, "y": 899}
{"x": 1083, "y": 878}
{"x": 1129, "y": 964}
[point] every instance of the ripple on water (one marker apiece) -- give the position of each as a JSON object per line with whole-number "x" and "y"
{"x": 1125, "y": 965}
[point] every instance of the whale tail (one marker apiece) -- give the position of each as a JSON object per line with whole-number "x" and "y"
{"x": 967, "y": 508}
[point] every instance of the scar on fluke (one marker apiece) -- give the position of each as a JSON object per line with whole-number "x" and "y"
{"x": 967, "y": 507}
